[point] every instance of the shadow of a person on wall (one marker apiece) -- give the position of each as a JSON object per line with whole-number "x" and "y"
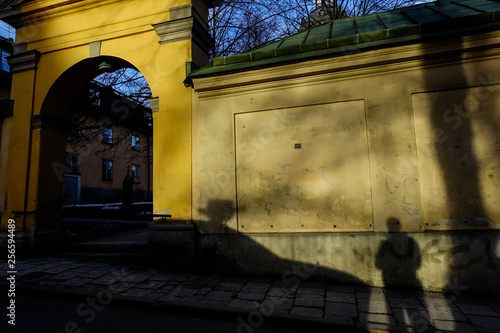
{"x": 398, "y": 258}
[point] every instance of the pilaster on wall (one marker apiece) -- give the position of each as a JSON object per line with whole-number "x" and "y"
{"x": 186, "y": 23}
{"x": 184, "y": 44}
{"x": 23, "y": 64}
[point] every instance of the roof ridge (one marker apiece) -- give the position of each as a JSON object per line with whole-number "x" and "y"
{"x": 466, "y": 6}
{"x": 382, "y": 29}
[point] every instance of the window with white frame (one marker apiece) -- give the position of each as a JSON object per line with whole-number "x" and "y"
{"x": 72, "y": 161}
{"x": 136, "y": 143}
{"x": 136, "y": 173}
{"x": 107, "y": 170}
{"x": 4, "y": 65}
{"x": 107, "y": 135}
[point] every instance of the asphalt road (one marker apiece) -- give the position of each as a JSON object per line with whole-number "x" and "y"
{"x": 40, "y": 313}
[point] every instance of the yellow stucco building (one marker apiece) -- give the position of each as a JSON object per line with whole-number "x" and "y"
{"x": 366, "y": 148}
{"x": 59, "y": 47}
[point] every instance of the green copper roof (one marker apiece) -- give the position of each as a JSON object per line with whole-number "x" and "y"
{"x": 355, "y": 34}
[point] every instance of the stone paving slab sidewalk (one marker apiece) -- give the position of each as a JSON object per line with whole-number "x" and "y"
{"x": 252, "y": 300}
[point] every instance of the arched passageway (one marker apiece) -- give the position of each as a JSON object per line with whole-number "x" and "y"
{"x": 60, "y": 47}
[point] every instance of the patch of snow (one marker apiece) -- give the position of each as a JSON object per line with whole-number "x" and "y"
{"x": 85, "y": 205}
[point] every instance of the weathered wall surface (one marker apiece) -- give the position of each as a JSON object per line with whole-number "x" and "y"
{"x": 459, "y": 155}
{"x": 398, "y": 139}
{"x": 301, "y": 179}
{"x": 457, "y": 262}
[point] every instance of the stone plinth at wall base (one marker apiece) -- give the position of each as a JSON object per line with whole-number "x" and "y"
{"x": 28, "y": 243}
{"x": 23, "y": 242}
{"x": 171, "y": 244}
{"x": 458, "y": 262}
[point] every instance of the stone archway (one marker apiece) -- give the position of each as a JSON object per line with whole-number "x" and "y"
{"x": 50, "y": 131}
{"x": 59, "y": 46}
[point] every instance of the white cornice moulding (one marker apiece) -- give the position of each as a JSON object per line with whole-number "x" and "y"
{"x": 173, "y": 31}
{"x": 24, "y": 61}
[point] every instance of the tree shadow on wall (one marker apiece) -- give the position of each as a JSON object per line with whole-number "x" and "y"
{"x": 465, "y": 142}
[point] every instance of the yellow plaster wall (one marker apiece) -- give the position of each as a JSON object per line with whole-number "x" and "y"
{"x": 81, "y": 22}
{"x": 475, "y": 160}
{"x": 62, "y": 35}
{"x": 4, "y": 151}
{"x": 50, "y": 67}
{"x": 396, "y": 85}
{"x": 164, "y": 69}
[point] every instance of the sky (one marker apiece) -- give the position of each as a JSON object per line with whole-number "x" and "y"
{"x": 7, "y": 31}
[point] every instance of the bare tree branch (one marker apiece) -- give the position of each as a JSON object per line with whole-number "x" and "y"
{"x": 115, "y": 100}
{"x": 240, "y": 25}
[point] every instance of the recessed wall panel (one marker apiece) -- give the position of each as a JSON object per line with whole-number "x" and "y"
{"x": 458, "y": 146}
{"x": 303, "y": 169}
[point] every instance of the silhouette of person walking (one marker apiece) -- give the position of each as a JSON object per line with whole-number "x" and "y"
{"x": 398, "y": 258}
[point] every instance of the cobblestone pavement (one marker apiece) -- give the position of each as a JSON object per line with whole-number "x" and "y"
{"x": 257, "y": 298}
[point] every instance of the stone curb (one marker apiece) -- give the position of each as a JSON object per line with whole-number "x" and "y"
{"x": 188, "y": 309}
